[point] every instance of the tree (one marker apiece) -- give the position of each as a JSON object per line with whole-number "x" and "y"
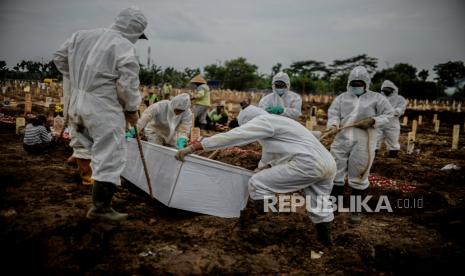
{"x": 449, "y": 73}
{"x": 240, "y": 74}
{"x": 190, "y": 73}
{"x": 399, "y": 74}
{"x": 423, "y": 75}
{"x": 344, "y": 66}
{"x": 276, "y": 69}
{"x": 215, "y": 72}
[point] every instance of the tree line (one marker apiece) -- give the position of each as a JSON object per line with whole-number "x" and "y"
{"x": 308, "y": 76}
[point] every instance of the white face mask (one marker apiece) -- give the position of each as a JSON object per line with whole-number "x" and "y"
{"x": 357, "y": 90}
{"x": 280, "y": 91}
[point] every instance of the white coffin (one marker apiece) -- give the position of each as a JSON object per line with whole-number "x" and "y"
{"x": 198, "y": 184}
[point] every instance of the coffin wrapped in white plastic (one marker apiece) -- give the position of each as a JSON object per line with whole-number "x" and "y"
{"x": 198, "y": 184}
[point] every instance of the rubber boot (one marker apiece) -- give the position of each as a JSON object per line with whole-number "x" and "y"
{"x": 323, "y": 231}
{"x": 102, "y": 195}
{"x": 393, "y": 153}
{"x": 337, "y": 191}
{"x": 356, "y": 217}
{"x": 85, "y": 171}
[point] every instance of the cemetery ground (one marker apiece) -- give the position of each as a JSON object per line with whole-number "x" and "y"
{"x": 43, "y": 228}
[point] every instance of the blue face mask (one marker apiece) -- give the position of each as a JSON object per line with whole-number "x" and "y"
{"x": 357, "y": 90}
{"x": 280, "y": 91}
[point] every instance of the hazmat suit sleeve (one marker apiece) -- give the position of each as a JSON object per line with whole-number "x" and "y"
{"x": 147, "y": 116}
{"x": 400, "y": 107}
{"x": 128, "y": 80}
{"x": 293, "y": 111}
{"x": 60, "y": 57}
{"x": 334, "y": 113}
{"x": 262, "y": 104}
{"x": 384, "y": 112}
{"x": 185, "y": 125}
{"x": 256, "y": 129}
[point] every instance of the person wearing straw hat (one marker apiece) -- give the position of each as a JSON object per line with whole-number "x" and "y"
{"x": 201, "y": 101}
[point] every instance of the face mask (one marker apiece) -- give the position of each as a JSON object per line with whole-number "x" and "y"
{"x": 357, "y": 90}
{"x": 280, "y": 91}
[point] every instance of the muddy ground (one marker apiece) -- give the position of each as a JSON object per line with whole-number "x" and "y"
{"x": 43, "y": 228}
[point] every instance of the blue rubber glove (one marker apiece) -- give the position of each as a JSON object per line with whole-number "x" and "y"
{"x": 131, "y": 133}
{"x": 181, "y": 142}
{"x": 275, "y": 110}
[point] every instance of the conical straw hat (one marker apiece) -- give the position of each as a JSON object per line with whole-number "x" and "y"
{"x": 198, "y": 79}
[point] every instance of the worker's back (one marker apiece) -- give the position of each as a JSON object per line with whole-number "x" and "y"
{"x": 93, "y": 57}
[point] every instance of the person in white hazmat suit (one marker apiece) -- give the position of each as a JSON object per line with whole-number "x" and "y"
{"x": 391, "y": 131}
{"x": 293, "y": 159}
{"x": 103, "y": 70}
{"x": 168, "y": 122}
{"x": 360, "y": 111}
{"x": 282, "y": 101}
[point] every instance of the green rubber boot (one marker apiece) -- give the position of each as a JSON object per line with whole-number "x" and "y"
{"x": 102, "y": 195}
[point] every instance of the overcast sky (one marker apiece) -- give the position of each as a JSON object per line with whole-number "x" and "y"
{"x": 196, "y": 33}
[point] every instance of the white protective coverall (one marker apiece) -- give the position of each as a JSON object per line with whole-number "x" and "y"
{"x": 162, "y": 126}
{"x": 104, "y": 74}
{"x": 391, "y": 131}
{"x": 350, "y": 148}
{"x": 290, "y": 101}
{"x": 298, "y": 160}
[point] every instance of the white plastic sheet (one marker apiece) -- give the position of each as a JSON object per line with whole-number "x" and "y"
{"x": 198, "y": 184}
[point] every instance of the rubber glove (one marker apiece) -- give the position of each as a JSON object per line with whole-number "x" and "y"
{"x": 131, "y": 133}
{"x": 181, "y": 142}
{"x": 275, "y": 110}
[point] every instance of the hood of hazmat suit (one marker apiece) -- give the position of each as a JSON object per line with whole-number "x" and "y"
{"x": 131, "y": 23}
{"x": 398, "y": 102}
{"x": 249, "y": 113}
{"x": 290, "y": 101}
{"x": 160, "y": 120}
{"x": 359, "y": 73}
{"x": 103, "y": 70}
{"x": 352, "y": 145}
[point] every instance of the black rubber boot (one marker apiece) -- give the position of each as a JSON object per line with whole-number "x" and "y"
{"x": 337, "y": 191}
{"x": 393, "y": 153}
{"x": 102, "y": 195}
{"x": 356, "y": 217}
{"x": 323, "y": 231}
